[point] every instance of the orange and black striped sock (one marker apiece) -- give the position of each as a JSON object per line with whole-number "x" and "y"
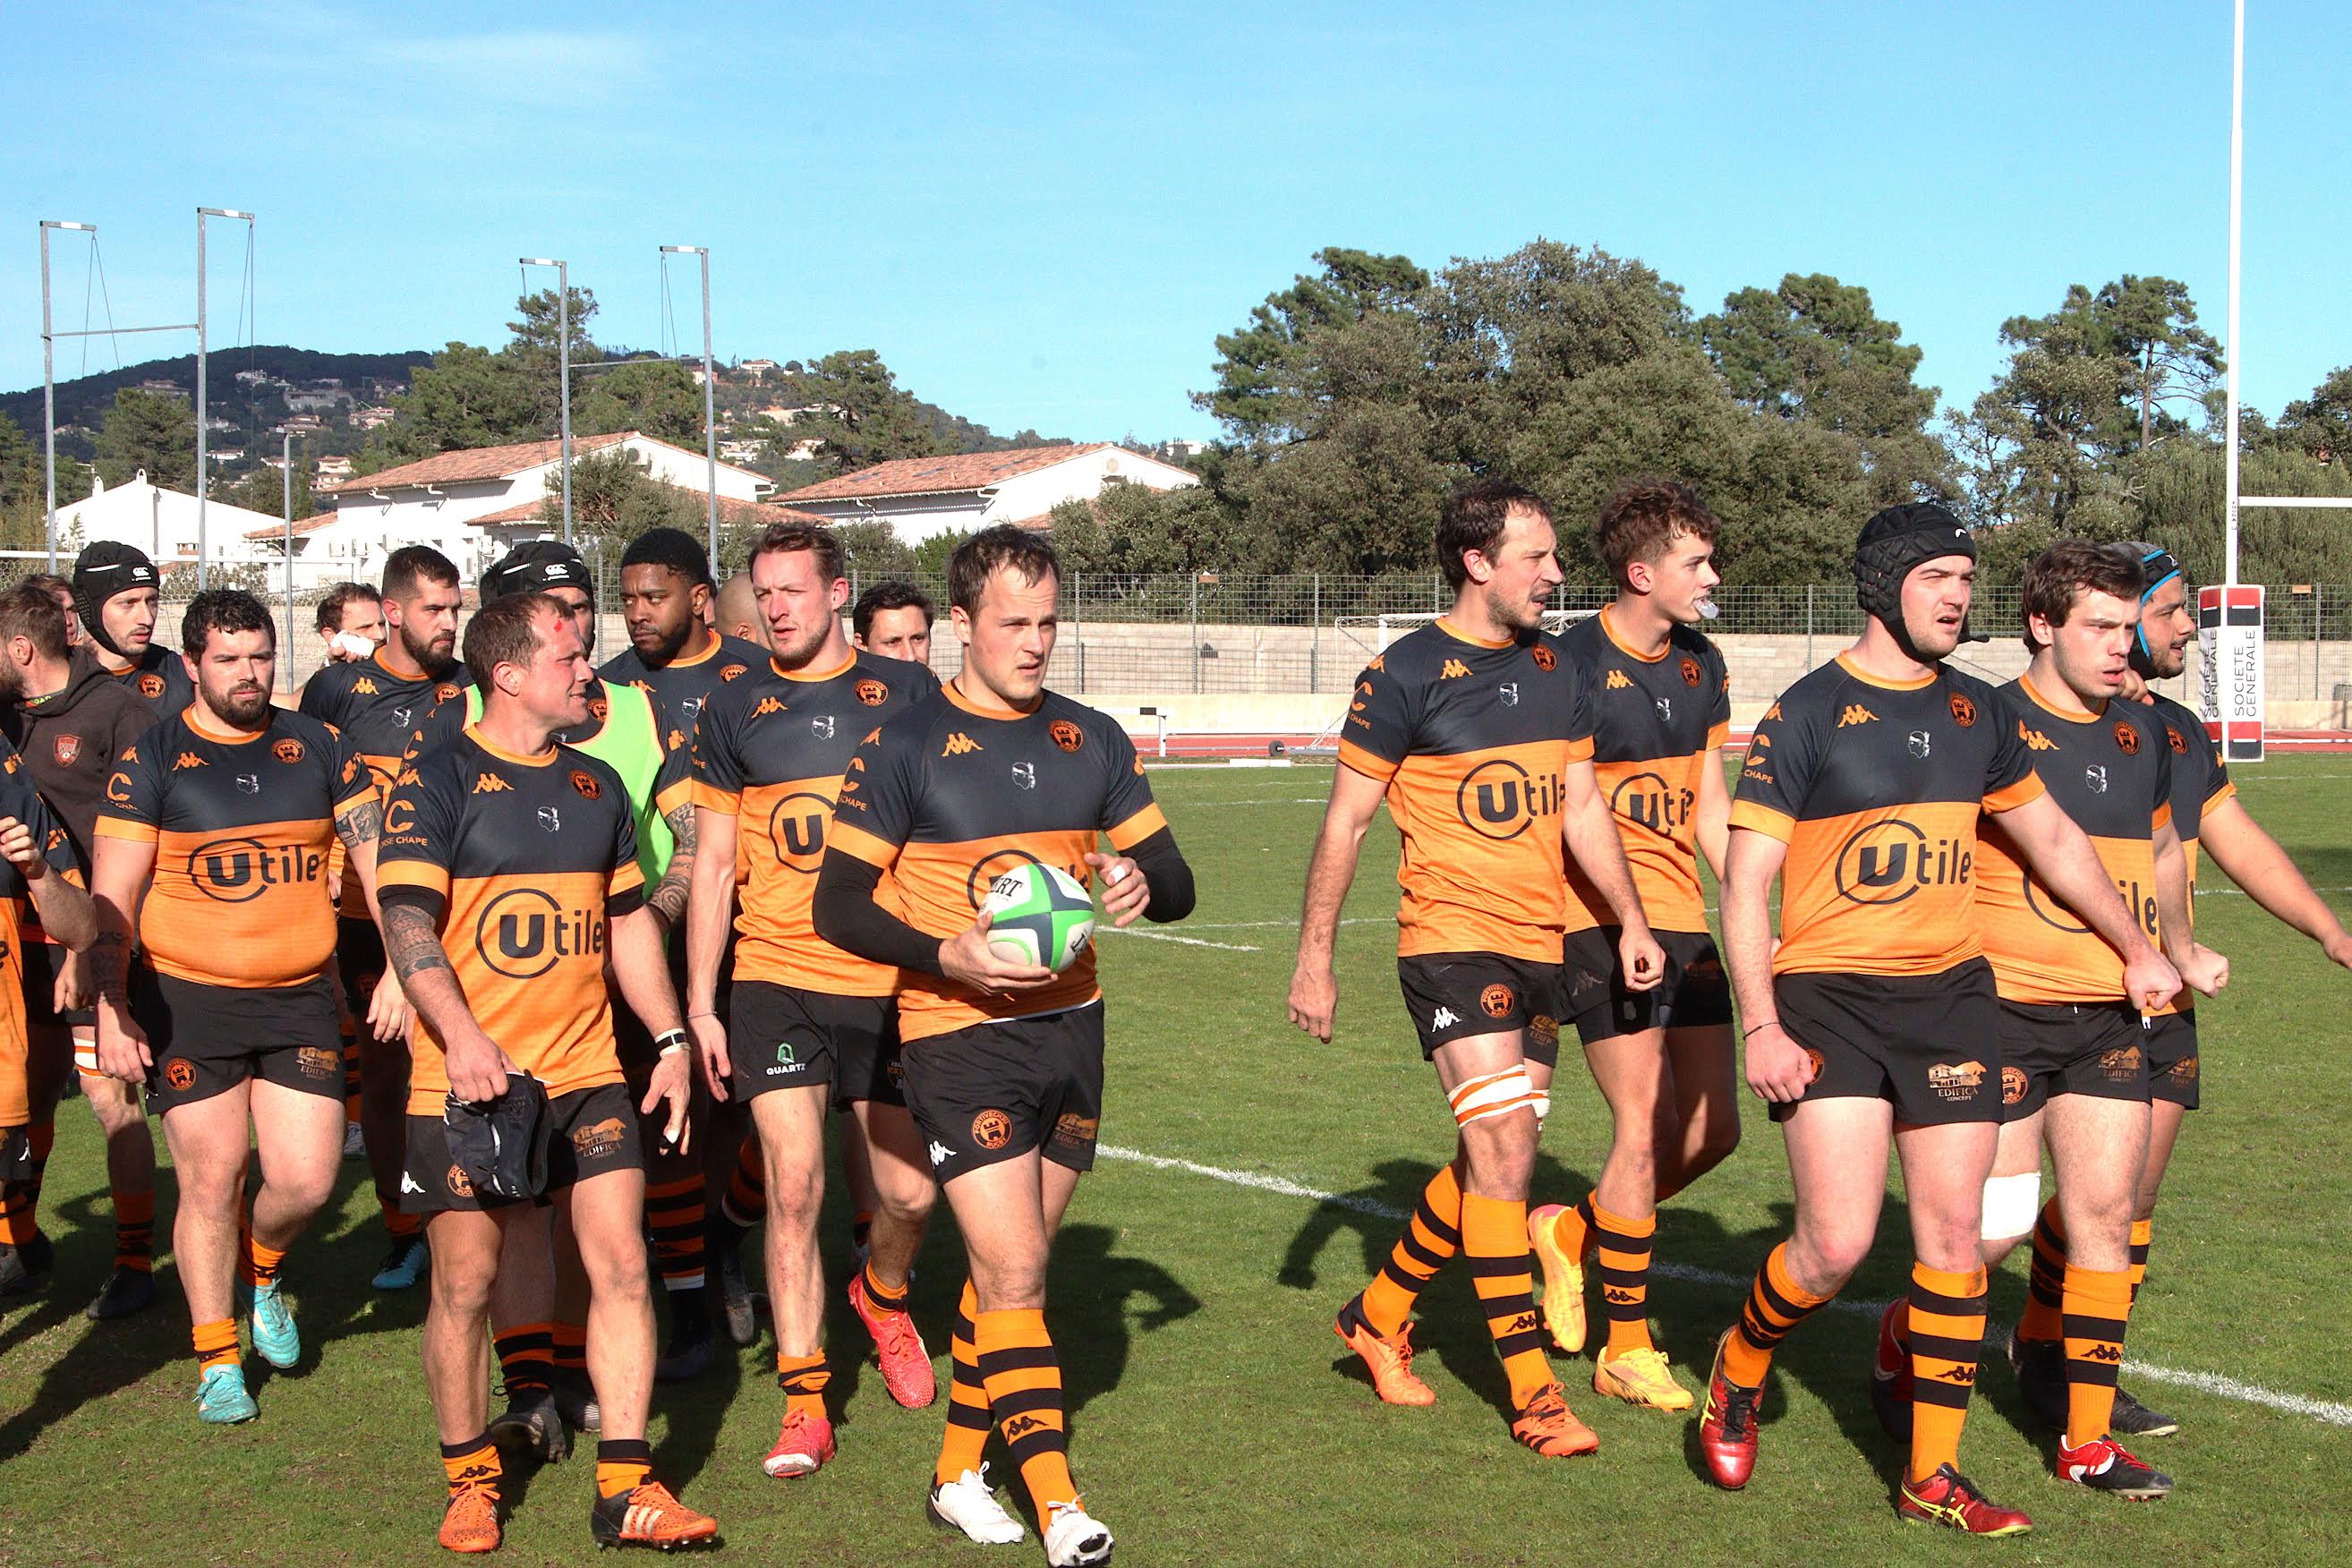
{"x": 1624, "y": 1246}
{"x": 526, "y": 1357}
{"x": 134, "y": 1230}
{"x": 43, "y": 1139}
{"x": 623, "y": 1465}
{"x": 882, "y": 1298}
{"x": 968, "y": 1419}
{"x": 1776, "y": 1304}
{"x": 1023, "y": 1379}
{"x": 398, "y": 1225}
{"x": 2045, "y": 1282}
{"x": 1495, "y": 1250}
{"x": 260, "y": 1264}
{"x": 1432, "y": 1236}
{"x": 1947, "y": 1333}
{"x": 216, "y": 1345}
{"x": 746, "y": 1202}
{"x": 802, "y": 1378}
{"x": 20, "y": 1197}
{"x": 2098, "y": 1305}
{"x": 1572, "y": 1228}
{"x": 2143, "y": 1238}
{"x": 472, "y": 1463}
{"x": 675, "y": 1218}
{"x": 571, "y": 1347}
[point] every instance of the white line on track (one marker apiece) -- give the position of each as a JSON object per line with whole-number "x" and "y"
{"x": 1171, "y": 936}
{"x": 2320, "y": 1410}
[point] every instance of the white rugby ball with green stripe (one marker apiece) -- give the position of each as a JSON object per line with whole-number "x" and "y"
{"x": 1039, "y": 915}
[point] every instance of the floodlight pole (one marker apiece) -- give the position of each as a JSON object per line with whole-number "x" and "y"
{"x": 2237, "y": 187}
{"x": 709, "y": 423}
{"x": 563, "y": 368}
{"x": 288, "y": 646}
{"x": 204, "y": 480}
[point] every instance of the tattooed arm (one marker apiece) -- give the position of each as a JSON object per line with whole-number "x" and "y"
{"x": 413, "y": 951}
{"x": 359, "y": 825}
{"x": 669, "y": 901}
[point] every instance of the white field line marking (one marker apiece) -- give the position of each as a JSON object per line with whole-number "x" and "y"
{"x": 1171, "y": 936}
{"x": 1291, "y": 924}
{"x": 1291, "y": 800}
{"x": 2321, "y": 1410}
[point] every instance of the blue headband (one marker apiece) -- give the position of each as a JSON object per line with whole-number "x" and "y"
{"x": 2157, "y": 568}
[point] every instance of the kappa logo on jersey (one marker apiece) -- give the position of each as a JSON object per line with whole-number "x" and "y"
{"x": 524, "y": 932}
{"x": 1544, "y": 658}
{"x": 939, "y": 1152}
{"x": 185, "y": 760}
{"x": 2035, "y": 740}
{"x": 585, "y": 783}
{"x": 873, "y": 693}
{"x": 1770, "y": 714}
{"x": 958, "y": 745}
{"x": 57, "y": 838}
{"x": 1690, "y": 670}
{"x": 677, "y": 740}
{"x": 1964, "y": 709}
{"x": 1618, "y": 681}
{"x": 1886, "y": 862}
{"x": 765, "y": 706}
{"x": 1498, "y": 799}
{"x": 234, "y": 870}
{"x": 1855, "y": 713}
{"x": 289, "y": 750}
{"x": 1444, "y": 1018}
{"x": 2128, "y": 738}
{"x": 1452, "y": 669}
{"x": 1065, "y": 736}
{"x": 1922, "y": 743}
{"x": 490, "y": 783}
{"x": 363, "y": 686}
{"x": 65, "y": 748}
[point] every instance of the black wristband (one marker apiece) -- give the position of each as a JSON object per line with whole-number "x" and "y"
{"x": 1766, "y": 1023}
{"x": 669, "y": 1040}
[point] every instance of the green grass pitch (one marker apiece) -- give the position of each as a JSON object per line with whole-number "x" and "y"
{"x": 1214, "y": 1420}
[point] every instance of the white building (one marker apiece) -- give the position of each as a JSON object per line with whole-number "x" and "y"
{"x": 160, "y": 521}
{"x": 448, "y": 502}
{"x": 919, "y": 496}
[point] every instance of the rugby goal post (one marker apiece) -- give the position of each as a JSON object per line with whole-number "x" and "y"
{"x": 1374, "y": 633}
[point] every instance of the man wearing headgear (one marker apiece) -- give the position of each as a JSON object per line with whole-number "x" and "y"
{"x": 1873, "y": 1023}
{"x": 114, "y": 590}
{"x": 2209, "y": 815}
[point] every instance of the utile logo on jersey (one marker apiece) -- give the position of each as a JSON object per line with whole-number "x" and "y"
{"x": 236, "y": 869}
{"x": 1886, "y": 862}
{"x": 1499, "y": 799}
{"x": 1649, "y": 800}
{"x": 524, "y": 932}
{"x": 797, "y": 827}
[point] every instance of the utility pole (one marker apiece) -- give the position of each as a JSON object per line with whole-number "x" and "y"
{"x": 709, "y": 423}
{"x": 563, "y": 368}
{"x": 203, "y": 478}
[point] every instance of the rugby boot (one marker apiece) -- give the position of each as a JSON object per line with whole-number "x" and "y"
{"x": 405, "y": 1261}
{"x": 2104, "y": 1465}
{"x": 898, "y": 1348}
{"x": 802, "y": 1445}
{"x": 648, "y": 1515}
{"x": 1949, "y": 1499}
{"x": 969, "y": 1503}
{"x": 1563, "y": 1278}
{"x": 1727, "y": 1426}
{"x": 1546, "y": 1424}
{"x": 575, "y": 1400}
{"x": 2041, "y": 1367}
{"x": 222, "y": 1399}
{"x": 1890, "y": 1379}
{"x": 470, "y": 1524}
{"x": 737, "y": 1307}
{"x": 1074, "y": 1539}
{"x": 2133, "y": 1419}
{"x": 276, "y": 1339}
{"x": 1639, "y": 1377}
{"x": 1389, "y": 1358}
{"x": 533, "y": 1426}
{"x": 127, "y": 1292}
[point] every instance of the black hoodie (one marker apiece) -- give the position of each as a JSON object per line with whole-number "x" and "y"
{"x": 71, "y": 740}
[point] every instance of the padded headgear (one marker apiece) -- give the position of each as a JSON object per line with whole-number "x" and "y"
{"x": 104, "y": 568}
{"x": 537, "y": 564}
{"x": 1893, "y": 543}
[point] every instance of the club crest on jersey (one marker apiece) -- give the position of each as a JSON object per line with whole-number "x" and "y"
{"x": 1964, "y": 710}
{"x": 585, "y": 783}
{"x": 873, "y": 693}
{"x": 1509, "y": 692}
{"x": 1544, "y": 658}
{"x": 444, "y": 692}
{"x": 551, "y": 817}
{"x": 732, "y": 672}
{"x": 248, "y": 784}
{"x": 2096, "y": 775}
{"x": 1690, "y": 670}
{"x": 821, "y": 726}
{"x": 150, "y": 685}
{"x": 287, "y": 751}
{"x": 1026, "y": 774}
{"x": 1065, "y": 736}
{"x": 599, "y": 709}
{"x": 1922, "y": 743}
{"x": 2128, "y": 738}
{"x": 65, "y": 748}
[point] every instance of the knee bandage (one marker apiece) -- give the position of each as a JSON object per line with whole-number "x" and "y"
{"x": 2011, "y": 1204}
{"x": 1498, "y": 1094}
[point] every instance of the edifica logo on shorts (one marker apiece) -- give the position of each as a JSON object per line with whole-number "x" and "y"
{"x": 235, "y": 870}
{"x": 1886, "y": 862}
{"x": 523, "y": 932}
{"x": 1956, "y": 1080}
{"x": 598, "y": 1139}
{"x": 1498, "y": 799}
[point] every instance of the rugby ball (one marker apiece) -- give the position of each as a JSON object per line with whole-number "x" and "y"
{"x": 1039, "y": 915}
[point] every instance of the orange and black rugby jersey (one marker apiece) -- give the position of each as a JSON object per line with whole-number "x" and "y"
{"x": 2200, "y": 782}
{"x": 1472, "y": 739}
{"x": 1655, "y": 720}
{"x": 18, "y": 800}
{"x": 2113, "y": 775}
{"x": 680, "y": 687}
{"x": 525, "y": 861}
{"x": 241, "y": 826}
{"x": 943, "y": 797}
{"x": 1876, "y": 788}
{"x": 770, "y": 753}
{"x": 377, "y": 712}
{"x": 160, "y": 679}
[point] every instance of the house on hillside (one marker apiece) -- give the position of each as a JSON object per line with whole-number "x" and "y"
{"x": 446, "y": 501}
{"x": 919, "y": 496}
{"x": 160, "y": 521}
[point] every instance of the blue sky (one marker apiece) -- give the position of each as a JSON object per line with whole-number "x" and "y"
{"x": 1042, "y": 216}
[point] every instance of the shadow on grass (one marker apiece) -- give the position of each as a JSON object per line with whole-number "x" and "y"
{"x": 106, "y": 1357}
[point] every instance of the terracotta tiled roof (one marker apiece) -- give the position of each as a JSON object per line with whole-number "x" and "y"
{"x": 473, "y": 463}
{"x": 932, "y": 476}
{"x": 301, "y": 525}
{"x": 732, "y": 513}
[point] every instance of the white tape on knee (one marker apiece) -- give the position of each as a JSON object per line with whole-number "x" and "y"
{"x": 1495, "y": 1094}
{"x": 2011, "y": 1204}
{"x": 1542, "y": 1109}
